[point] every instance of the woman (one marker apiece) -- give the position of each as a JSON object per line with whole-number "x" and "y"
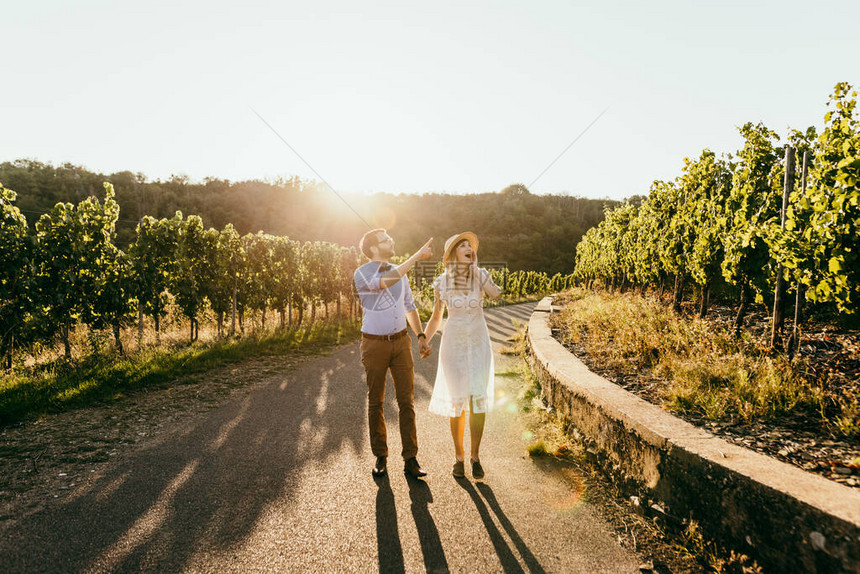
{"x": 464, "y": 377}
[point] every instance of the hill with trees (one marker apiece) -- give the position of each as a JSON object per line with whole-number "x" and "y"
{"x": 514, "y": 225}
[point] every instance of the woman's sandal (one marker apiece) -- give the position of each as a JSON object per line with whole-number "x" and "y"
{"x": 477, "y": 470}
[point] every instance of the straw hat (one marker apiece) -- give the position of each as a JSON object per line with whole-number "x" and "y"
{"x": 455, "y": 239}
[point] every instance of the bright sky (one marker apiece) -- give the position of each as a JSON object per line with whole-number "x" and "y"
{"x": 459, "y": 97}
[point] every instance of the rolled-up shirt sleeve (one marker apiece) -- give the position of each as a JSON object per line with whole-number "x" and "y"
{"x": 367, "y": 282}
{"x": 408, "y": 300}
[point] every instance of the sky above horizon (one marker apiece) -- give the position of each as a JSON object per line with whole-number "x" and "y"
{"x": 390, "y": 97}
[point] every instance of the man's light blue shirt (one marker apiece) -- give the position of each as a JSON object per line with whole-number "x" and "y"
{"x": 384, "y": 309}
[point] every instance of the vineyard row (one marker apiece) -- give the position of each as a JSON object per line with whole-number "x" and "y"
{"x": 758, "y": 220}
{"x": 68, "y": 271}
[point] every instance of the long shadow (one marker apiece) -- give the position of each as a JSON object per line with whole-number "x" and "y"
{"x": 428, "y": 534}
{"x": 497, "y": 332}
{"x": 499, "y": 319}
{"x": 522, "y": 310}
{"x": 204, "y": 486}
{"x": 509, "y": 319}
{"x": 531, "y": 562}
{"x": 501, "y": 329}
{"x": 507, "y": 315}
{"x": 519, "y": 313}
{"x": 388, "y": 547}
{"x": 506, "y": 556}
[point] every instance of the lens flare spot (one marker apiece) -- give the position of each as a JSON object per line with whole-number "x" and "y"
{"x": 566, "y": 501}
{"x": 384, "y": 217}
{"x": 511, "y": 408}
{"x": 569, "y": 497}
{"x": 528, "y": 435}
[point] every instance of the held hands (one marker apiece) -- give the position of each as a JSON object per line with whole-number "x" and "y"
{"x": 424, "y": 348}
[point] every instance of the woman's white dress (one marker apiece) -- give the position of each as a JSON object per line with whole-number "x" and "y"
{"x": 464, "y": 377}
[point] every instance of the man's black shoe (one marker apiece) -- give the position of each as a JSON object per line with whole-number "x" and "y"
{"x": 413, "y": 469}
{"x": 379, "y": 469}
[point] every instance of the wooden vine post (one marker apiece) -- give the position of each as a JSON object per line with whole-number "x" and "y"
{"x": 794, "y": 340}
{"x": 779, "y": 292}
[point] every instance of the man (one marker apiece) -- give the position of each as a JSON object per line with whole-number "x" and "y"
{"x": 385, "y": 345}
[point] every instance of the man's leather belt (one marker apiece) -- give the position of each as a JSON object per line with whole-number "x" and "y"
{"x": 385, "y": 337}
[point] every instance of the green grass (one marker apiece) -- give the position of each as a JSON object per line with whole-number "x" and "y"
{"x": 27, "y": 395}
{"x": 701, "y": 368}
{"x": 537, "y": 448}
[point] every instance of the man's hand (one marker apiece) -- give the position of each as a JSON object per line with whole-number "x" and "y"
{"x": 425, "y": 252}
{"x": 424, "y": 348}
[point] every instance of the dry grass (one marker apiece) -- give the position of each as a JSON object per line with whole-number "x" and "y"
{"x": 700, "y": 368}
{"x": 174, "y": 332}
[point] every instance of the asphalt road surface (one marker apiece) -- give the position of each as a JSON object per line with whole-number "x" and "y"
{"x": 279, "y": 480}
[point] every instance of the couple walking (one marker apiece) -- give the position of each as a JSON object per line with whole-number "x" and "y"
{"x": 464, "y": 377}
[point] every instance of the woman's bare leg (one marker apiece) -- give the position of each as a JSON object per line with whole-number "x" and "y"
{"x": 458, "y": 429}
{"x": 476, "y": 431}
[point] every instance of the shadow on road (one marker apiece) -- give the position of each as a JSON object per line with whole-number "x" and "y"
{"x": 531, "y": 562}
{"x": 388, "y": 547}
{"x": 506, "y": 556}
{"x": 428, "y": 534}
{"x": 204, "y": 487}
{"x": 497, "y": 334}
{"x": 499, "y": 321}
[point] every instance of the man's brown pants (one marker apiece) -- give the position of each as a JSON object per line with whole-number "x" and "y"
{"x": 378, "y": 357}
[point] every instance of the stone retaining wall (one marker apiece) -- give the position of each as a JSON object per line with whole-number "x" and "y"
{"x": 789, "y": 520}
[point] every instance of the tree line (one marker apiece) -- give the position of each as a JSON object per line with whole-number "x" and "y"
{"x": 514, "y": 225}
{"x": 724, "y": 220}
{"x": 67, "y": 270}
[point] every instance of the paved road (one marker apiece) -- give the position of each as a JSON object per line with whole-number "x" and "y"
{"x": 279, "y": 481}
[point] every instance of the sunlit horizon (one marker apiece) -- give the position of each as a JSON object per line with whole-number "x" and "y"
{"x": 413, "y": 100}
